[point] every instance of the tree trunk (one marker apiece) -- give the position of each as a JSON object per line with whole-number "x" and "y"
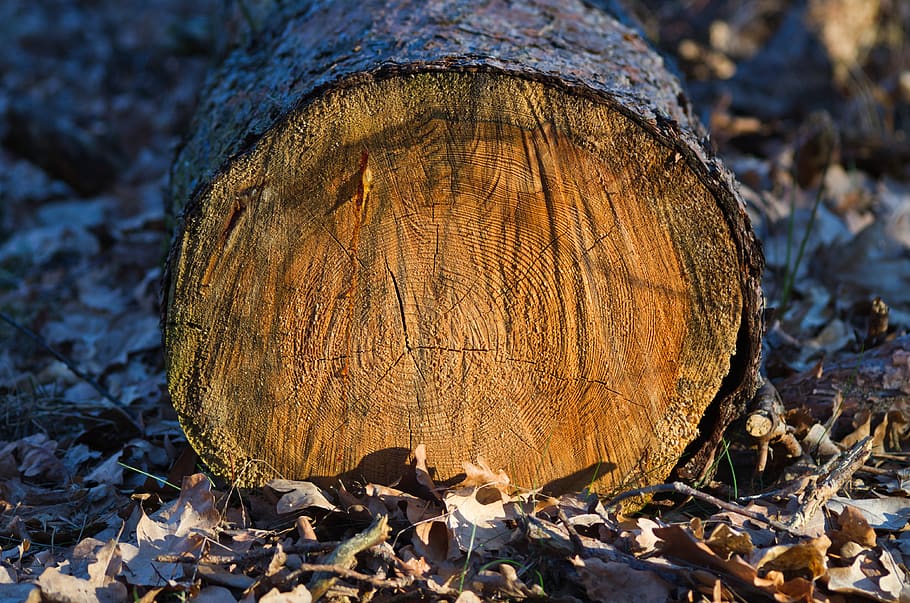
{"x": 490, "y": 227}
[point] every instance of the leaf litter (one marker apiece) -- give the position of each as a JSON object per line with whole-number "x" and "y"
{"x": 101, "y": 500}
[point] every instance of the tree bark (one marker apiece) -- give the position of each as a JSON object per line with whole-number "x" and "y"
{"x": 490, "y": 227}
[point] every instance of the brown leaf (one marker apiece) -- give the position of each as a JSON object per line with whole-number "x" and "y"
{"x": 400, "y": 505}
{"x": 644, "y": 541}
{"x": 468, "y": 596}
{"x": 305, "y": 529}
{"x": 609, "y": 581}
{"x": 57, "y": 586}
{"x": 878, "y": 579}
{"x": 422, "y": 472}
{"x": 677, "y": 543}
{"x": 297, "y": 495}
{"x": 414, "y": 564}
{"x": 38, "y": 459}
{"x": 434, "y": 541}
{"x": 180, "y": 529}
{"x": 107, "y": 564}
{"x": 725, "y": 541}
{"x": 477, "y": 520}
{"x": 278, "y": 561}
{"x": 797, "y": 589}
{"x": 804, "y": 559}
{"x": 481, "y": 476}
{"x": 888, "y": 513}
{"x": 217, "y": 575}
{"x": 853, "y": 528}
{"x": 504, "y": 583}
{"x": 300, "y": 594}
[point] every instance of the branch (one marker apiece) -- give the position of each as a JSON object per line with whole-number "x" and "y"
{"x": 681, "y": 488}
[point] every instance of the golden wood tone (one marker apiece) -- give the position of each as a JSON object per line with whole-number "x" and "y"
{"x": 477, "y": 261}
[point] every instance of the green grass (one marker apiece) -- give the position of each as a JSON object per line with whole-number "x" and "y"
{"x": 791, "y": 263}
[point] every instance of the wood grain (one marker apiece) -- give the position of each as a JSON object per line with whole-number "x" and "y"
{"x": 492, "y": 264}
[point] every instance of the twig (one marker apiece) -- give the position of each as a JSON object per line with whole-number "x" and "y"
{"x": 573, "y": 533}
{"x": 344, "y": 555}
{"x": 296, "y": 549}
{"x": 835, "y": 474}
{"x": 341, "y": 571}
{"x": 66, "y": 361}
{"x": 681, "y": 488}
{"x": 767, "y": 425}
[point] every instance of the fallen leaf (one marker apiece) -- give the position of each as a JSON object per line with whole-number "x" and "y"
{"x": 889, "y": 513}
{"x": 57, "y": 586}
{"x": 434, "y": 541}
{"x": 551, "y": 538}
{"x": 423, "y": 472}
{"x": 414, "y": 564}
{"x": 608, "y": 581}
{"x": 505, "y": 582}
{"x": 278, "y": 561}
{"x": 38, "y": 459}
{"x": 869, "y": 577}
{"x": 107, "y": 564}
{"x": 725, "y": 542}
{"x": 468, "y": 596}
{"x": 299, "y": 496}
{"x": 677, "y": 543}
{"x": 853, "y": 528}
{"x": 305, "y": 529}
{"x": 644, "y": 540}
{"x": 218, "y": 576}
{"x": 478, "y": 518}
{"x": 804, "y": 559}
{"x": 180, "y": 529}
{"x": 481, "y": 476}
{"x": 300, "y": 594}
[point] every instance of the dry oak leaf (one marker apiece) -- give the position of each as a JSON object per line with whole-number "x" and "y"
{"x": 681, "y": 545}
{"x": 478, "y": 518}
{"x": 504, "y": 583}
{"x": 297, "y": 495}
{"x": 725, "y": 542}
{"x": 877, "y": 578}
{"x": 103, "y": 565}
{"x": 888, "y": 513}
{"x": 180, "y": 529}
{"x": 387, "y": 500}
{"x": 413, "y": 564}
{"x": 57, "y": 586}
{"x": 853, "y": 528}
{"x": 480, "y": 507}
{"x": 641, "y": 537}
{"x": 676, "y": 542}
{"x": 804, "y": 559}
{"x": 423, "y": 472}
{"x": 608, "y": 581}
{"x": 300, "y": 594}
{"x": 434, "y": 542}
{"x": 38, "y": 458}
{"x": 481, "y": 476}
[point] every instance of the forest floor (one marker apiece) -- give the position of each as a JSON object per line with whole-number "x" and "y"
{"x": 101, "y": 499}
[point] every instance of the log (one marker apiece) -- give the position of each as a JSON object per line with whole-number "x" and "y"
{"x": 489, "y": 227}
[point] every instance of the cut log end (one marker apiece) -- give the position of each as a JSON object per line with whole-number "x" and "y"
{"x": 483, "y": 263}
